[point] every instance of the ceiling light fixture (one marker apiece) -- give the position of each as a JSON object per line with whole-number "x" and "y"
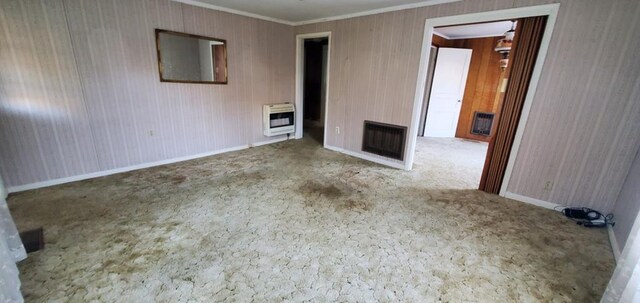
{"x": 504, "y": 46}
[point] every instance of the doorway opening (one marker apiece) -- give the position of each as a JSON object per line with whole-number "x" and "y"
{"x": 314, "y": 87}
{"x": 504, "y": 127}
{"x": 312, "y": 73}
{"x": 463, "y": 97}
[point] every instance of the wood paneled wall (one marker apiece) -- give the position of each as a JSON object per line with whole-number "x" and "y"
{"x": 80, "y": 92}
{"x": 584, "y": 127}
{"x": 441, "y": 41}
{"x": 483, "y": 83}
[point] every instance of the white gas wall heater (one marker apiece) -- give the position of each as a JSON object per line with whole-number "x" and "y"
{"x": 278, "y": 119}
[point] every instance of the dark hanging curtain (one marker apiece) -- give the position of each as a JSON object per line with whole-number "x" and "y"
{"x": 523, "y": 57}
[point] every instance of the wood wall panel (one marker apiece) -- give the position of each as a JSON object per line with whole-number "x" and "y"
{"x": 440, "y": 41}
{"x": 482, "y": 84}
{"x": 583, "y": 130}
{"x": 81, "y": 92}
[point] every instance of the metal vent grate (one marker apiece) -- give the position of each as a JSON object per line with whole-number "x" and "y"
{"x": 482, "y": 123}
{"x": 384, "y": 139}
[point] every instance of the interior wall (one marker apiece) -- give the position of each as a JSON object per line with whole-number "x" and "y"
{"x": 627, "y": 206}
{"x": 583, "y": 127}
{"x": 3, "y": 190}
{"x": 482, "y": 87}
{"x": 80, "y": 90}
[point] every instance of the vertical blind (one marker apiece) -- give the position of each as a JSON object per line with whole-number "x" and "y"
{"x": 523, "y": 58}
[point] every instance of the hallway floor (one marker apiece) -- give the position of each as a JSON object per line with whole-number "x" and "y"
{"x": 295, "y": 222}
{"x": 450, "y": 163}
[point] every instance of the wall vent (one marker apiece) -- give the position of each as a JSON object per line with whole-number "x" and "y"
{"x": 384, "y": 139}
{"x": 482, "y": 123}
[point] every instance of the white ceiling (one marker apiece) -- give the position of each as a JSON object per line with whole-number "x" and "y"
{"x": 491, "y": 29}
{"x": 297, "y": 12}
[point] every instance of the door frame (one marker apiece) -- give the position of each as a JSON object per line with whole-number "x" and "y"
{"x": 422, "y": 123}
{"x": 549, "y": 10}
{"x": 299, "y": 104}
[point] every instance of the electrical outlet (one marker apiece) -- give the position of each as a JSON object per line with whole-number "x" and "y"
{"x": 337, "y": 130}
{"x": 548, "y": 185}
{"x": 151, "y": 133}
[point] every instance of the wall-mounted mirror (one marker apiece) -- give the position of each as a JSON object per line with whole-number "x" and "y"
{"x": 188, "y": 58}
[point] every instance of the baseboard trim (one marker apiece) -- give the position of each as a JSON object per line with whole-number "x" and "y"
{"x": 614, "y": 243}
{"x": 30, "y": 186}
{"x": 533, "y": 201}
{"x": 366, "y": 157}
{"x": 270, "y": 141}
{"x": 612, "y": 237}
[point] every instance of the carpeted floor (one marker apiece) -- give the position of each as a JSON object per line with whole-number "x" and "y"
{"x": 449, "y": 163}
{"x": 295, "y": 222}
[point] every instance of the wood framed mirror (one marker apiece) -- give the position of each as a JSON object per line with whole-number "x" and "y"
{"x": 188, "y": 58}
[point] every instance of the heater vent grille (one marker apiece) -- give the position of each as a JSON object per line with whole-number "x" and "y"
{"x": 384, "y": 139}
{"x": 482, "y": 123}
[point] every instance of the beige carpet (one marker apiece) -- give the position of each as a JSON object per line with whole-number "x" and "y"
{"x": 294, "y": 222}
{"x": 449, "y": 163}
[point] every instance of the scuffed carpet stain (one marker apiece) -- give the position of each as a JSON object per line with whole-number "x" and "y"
{"x": 295, "y": 222}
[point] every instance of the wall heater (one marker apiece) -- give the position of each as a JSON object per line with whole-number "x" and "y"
{"x": 278, "y": 119}
{"x": 482, "y": 123}
{"x": 384, "y": 139}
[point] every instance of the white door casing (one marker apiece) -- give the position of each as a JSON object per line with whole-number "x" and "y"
{"x": 447, "y": 90}
{"x": 299, "y": 82}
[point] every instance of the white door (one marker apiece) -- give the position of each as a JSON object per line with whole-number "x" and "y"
{"x": 447, "y": 89}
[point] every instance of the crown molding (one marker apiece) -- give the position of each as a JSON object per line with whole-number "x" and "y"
{"x": 377, "y": 11}
{"x": 234, "y": 11}
{"x": 326, "y": 19}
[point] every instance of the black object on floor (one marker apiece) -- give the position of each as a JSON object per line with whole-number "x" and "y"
{"x": 582, "y": 213}
{"x": 33, "y": 240}
{"x": 588, "y": 217}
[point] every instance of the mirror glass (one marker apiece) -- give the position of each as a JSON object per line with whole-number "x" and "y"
{"x": 187, "y": 58}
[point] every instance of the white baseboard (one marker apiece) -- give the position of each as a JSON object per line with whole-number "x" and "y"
{"x": 35, "y": 185}
{"x": 614, "y": 243}
{"x": 554, "y": 206}
{"x": 271, "y": 141}
{"x": 393, "y": 164}
{"x": 533, "y": 201}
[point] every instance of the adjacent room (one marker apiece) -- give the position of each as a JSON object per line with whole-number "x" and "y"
{"x": 466, "y": 81}
{"x": 319, "y": 151}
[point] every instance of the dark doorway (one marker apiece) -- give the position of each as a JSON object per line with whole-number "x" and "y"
{"x": 314, "y": 87}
